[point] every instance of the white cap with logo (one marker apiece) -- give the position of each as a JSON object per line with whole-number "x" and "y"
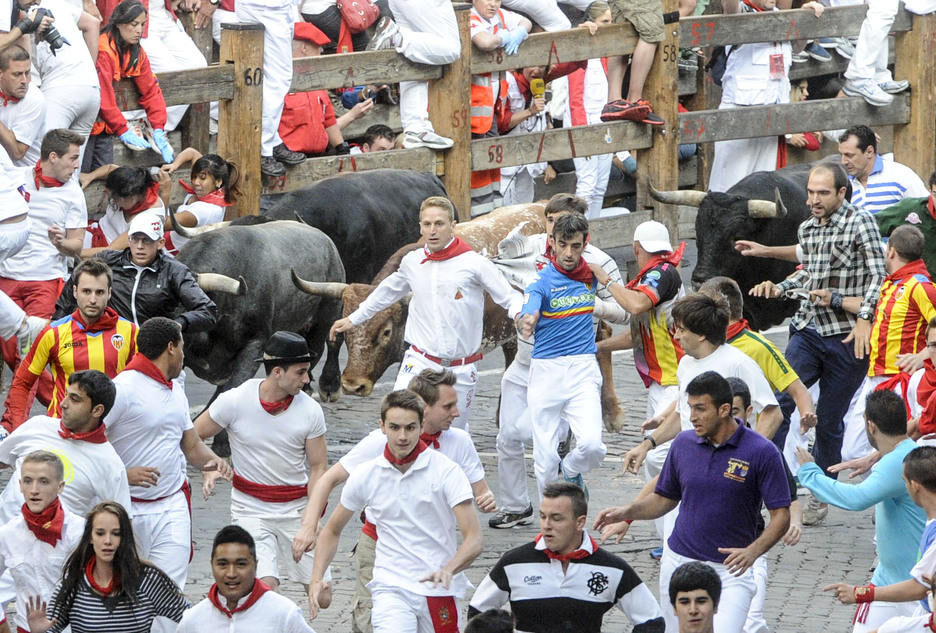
{"x": 149, "y": 224}
{"x": 653, "y": 237}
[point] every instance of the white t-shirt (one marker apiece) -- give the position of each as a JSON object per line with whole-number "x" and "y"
{"x": 114, "y": 224}
{"x": 912, "y": 388}
{"x": 26, "y": 119}
{"x": 93, "y": 472}
{"x": 267, "y": 449}
{"x": 146, "y": 426}
{"x": 204, "y": 212}
{"x": 272, "y": 612}
{"x": 728, "y": 362}
{"x": 70, "y": 65}
{"x": 414, "y": 519}
{"x": 314, "y": 7}
{"x": 64, "y": 207}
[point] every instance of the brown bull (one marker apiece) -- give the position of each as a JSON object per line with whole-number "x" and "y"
{"x": 375, "y": 345}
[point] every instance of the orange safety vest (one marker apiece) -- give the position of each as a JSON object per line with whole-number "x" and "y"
{"x": 482, "y": 95}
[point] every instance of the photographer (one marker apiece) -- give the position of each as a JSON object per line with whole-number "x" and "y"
{"x": 11, "y": 33}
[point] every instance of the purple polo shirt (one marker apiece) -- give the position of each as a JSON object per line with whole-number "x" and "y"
{"x": 721, "y": 490}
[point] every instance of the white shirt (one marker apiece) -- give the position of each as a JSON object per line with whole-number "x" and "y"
{"x": 748, "y": 79}
{"x": 446, "y": 311}
{"x": 64, "y": 207}
{"x": 71, "y": 65}
{"x": 204, "y": 212}
{"x": 26, "y": 119}
{"x": 888, "y": 183}
{"x": 414, "y": 519}
{"x": 267, "y": 449}
{"x": 36, "y": 566}
{"x": 272, "y": 612}
{"x": 912, "y": 388}
{"x": 114, "y": 224}
{"x": 727, "y": 362}
{"x": 593, "y": 97}
{"x": 146, "y": 426}
{"x": 12, "y": 202}
{"x": 93, "y": 472}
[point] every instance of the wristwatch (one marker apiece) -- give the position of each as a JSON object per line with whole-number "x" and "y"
{"x": 215, "y": 2}
{"x": 649, "y": 436}
{"x": 865, "y": 314}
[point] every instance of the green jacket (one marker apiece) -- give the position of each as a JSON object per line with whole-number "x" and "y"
{"x": 912, "y": 211}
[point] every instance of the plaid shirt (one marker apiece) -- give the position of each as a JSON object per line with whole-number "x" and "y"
{"x": 844, "y": 255}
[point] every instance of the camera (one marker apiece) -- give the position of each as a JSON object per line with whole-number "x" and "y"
{"x": 52, "y": 36}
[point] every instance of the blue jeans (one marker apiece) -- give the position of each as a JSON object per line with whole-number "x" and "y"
{"x": 833, "y": 363}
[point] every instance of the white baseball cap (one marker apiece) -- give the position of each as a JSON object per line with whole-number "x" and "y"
{"x": 653, "y": 237}
{"x": 149, "y": 224}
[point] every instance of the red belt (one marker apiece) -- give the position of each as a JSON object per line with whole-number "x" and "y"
{"x": 369, "y": 529}
{"x": 186, "y": 490}
{"x": 270, "y": 494}
{"x": 474, "y": 358}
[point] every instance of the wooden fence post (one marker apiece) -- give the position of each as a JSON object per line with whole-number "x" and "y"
{"x": 448, "y": 110}
{"x": 915, "y": 142}
{"x": 197, "y": 120}
{"x": 240, "y": 118}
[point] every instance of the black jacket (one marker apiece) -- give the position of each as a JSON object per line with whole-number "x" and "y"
{"x": 158, "y": 290}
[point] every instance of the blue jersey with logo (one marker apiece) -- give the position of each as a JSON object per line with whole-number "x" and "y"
{"x": 565, "y": 306}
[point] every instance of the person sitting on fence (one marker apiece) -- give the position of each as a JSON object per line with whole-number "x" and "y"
{"x": 213, "y": 189}
{"x": 377, "y": 138}
{"x": 326, "y": 16}
{"x": 131, "y": 190}
{"x": 809, "y": 141}
{"x": 22, "y": 113}
{"x": 491, "y": 28}
{"x": 120, "y": 56}
{"x": 867, "y": 75}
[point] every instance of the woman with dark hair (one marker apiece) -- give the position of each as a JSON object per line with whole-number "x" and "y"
{"x": 105, "y": 586}
{"x": 120, "y": 56}
{"x": 131, "y": 190}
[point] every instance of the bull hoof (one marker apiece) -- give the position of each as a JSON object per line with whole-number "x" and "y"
{"x": 613, "y": 420}
{"x": 329, "y": 395}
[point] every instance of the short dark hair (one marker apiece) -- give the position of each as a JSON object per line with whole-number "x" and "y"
{"x": 729, "y": 289}
{"x": 932, "y": 179}
{"x": 864, "y": 137}
{"x": 59, "y": 141}
{"x": 234, "y": 534}
{"x": 124, "y": 182}
{"x": 739, "y": 389}
{"x": 703, "y": 315}
{"x": 155, "y": 335}
{"x": 711, "y": 384}
{"x": 888, "y": 412}
{"x": 94, "y": 266}
{"x": 376, "y": 131}
{"x": 15, "y": 53}
{"x": 97, "y": 386}
{"x": 568, "y": 489}
{"x": 223, "y": 171}
{"x": 919, "y": 465}
{"x": 46, "y": 457}
{"x": 692, "y": 576}
{"x": 491, "y": 621}
{"x": 402, "y": 399}
{"x": 907, "y": 240}
{"x": 839, "y": 177}
{"x": 568, "y": 225}
{"x": 426, "y": 384}
{"x": 566, "y": 202}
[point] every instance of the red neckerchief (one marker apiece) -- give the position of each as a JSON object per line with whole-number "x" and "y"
{"x": 431, "y": 439}
{"x": 753, "y": 6}
{"x": 89, "y": 574}
{"x": 409, "y": 459}
{"x": 581, "y": 273}
{"x": 275, "y": 407}
{"x": 46, "y": 525}
{"x": 931, "y": 625}
{"x": 736, "y": 328}
{"x": 666, "y": 258}
{"x": 107, "y": 321}
{"x": 7, "y": 99}
{"x": 916, "y": 267}
{"x": 258, "y": 590}
{"x": 456, "y": 247}
{"x": 146, "y": 203}
{"x": 44, "y": 181}
{"x": 578, "y": 554}
{"x": 927, "y": 422}
{"x": 899, "y": 380}
{"x": 215, "y": 197}
{"x": 927, "y": 386}
{"x": 97, "y": 436}
{"x": 931, "y": 207}
{"x": 145, "y": 366}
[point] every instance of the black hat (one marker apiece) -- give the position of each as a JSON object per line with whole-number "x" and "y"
{"x": 287, "y": 346}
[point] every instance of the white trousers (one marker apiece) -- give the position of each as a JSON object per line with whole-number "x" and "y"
{"x": 164, "y": 536}
{"x": 219, "y": 17}
{"x": 396, "y": 610}
{"x": 565, "y": 394}
{"x": 740, "y": 157}
{"x": 273, "y": 537}
{"x": 74, "y": 108}
{"x": 658, "y": 398}
{"x": 545, "y": 13}
{"x": 514, "y": 433}
{"x": 755, "y": 622}
{"x": 13, "y": 238}
{"x": 881, "y": 612}
{"x": 429, "y": 36}
{"x": 870, "y": 58}
{"x": 737, "y": 594}
{"x": 855, "y": 443}
{"x": 516, "y": 185}
{"x": 278, "y": 20}
{"x": 466, "y": 381}
{"x": 591, "y": 181}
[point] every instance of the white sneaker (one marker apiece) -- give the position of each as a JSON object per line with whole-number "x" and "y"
{"x": 431, "y": 140}
{"x": 895, "y": 86}
{"x": 27, "y": 334}
{"x": 869, "y": 91}
{"x": 814, "y": 512}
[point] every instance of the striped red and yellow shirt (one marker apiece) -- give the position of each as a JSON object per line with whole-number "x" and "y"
{"x": 903, "y": 310}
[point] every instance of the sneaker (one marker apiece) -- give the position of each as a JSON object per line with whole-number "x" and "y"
{"x": 286, "y": 156}
{"x": 504, "y": 520}
{"x": 815, "y": 512}
{"x": 269, "y": 166}
{"x": 27, "y": 334}
{"x": 827, "y": 42}
{"x": 688, "y": 62}
{"x": 844, "y": 47}
{"x": 656, "y": 553}
{"x": 817, "y": 52}
{"x": 800, "y": 57}
{"x": 387, "y": 29}
{"x": 651, "y": 118}
{"x": 624, "y": 110}
{"x": 431, "y": 140}
{"x": 578, "y": 480}
{"x": 867, "y": 90}
{"x": 894, "y": 87}
{"x": 139, "y": 128}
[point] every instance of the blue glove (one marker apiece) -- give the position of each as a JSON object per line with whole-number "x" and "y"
{"x": 133, "y": 141}
{"x": 512, "y": 39}
{"x": 162, "y": 144}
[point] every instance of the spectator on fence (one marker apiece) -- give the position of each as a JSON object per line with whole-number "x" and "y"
{"x": 120, "y": 56}
{"x": 22, "y": 115}
{"x": 919, "y": 211}
{"x": 326, "y": 16}
{"x": 867, "y": 75}
{"x": 131, "y": 190}
{"x": 377, "y": 138}
{"x": 809, "y": 141}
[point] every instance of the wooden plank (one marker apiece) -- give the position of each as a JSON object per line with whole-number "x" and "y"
{"x": 617, "y": 187}
{"x": 914, "y": 143}
{"x": 183, "y": 87}
{"x": 381, "y": 113}
{"x": 756, "y": 121}
{"x": 196, "y": 124}
{"x": 718, "y": 30}
{"x": 838, "y": 64}
{"x": 355, "y": 69}
{"x": 543, "y": 49}
{"x": 617, "y": 230}
{"x": 314, "y": 169}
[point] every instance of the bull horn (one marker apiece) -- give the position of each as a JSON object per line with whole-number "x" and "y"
{"x": 300, "y": 220}
{"x": 332, "y": 290}
{"x": 686, "y": 197}
{"x": 763, "y": 209}
{"x": 781, "y": 208}
{"x": 222, "y": 283}
{"x": 189, "y": 233}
